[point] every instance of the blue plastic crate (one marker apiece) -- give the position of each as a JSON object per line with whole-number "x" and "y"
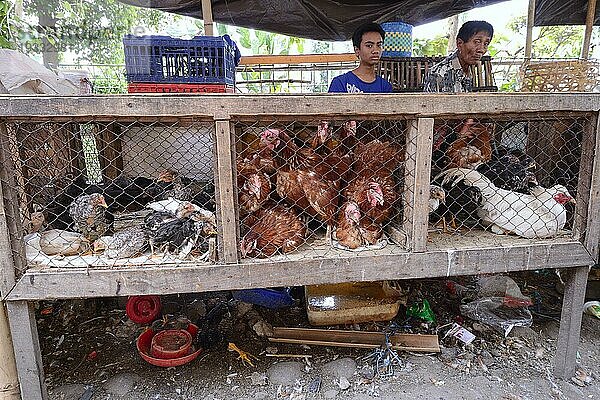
{"x": 163, "y": 59}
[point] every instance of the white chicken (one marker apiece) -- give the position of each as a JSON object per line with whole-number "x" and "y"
{"x": 540, "y": 214}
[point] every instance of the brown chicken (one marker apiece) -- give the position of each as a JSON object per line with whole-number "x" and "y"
{"x": 307, "y": 180}
{"x": 472, "y": 147}
{"x": 374, "y": 192}
{"x": 353, "y": 230}
{"x": 274, "y": 229}
{"x": 254, "y": 186}
{"x": 377, "y": 155}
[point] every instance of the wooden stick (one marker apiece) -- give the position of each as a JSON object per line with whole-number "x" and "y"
{"x": 207, "y": 17}
{"x": 589, "y": 25}
{"x": 529, "y": 36}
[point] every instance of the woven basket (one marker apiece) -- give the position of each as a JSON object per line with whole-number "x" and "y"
{"x": 398, "y": 39}
{"x": 561, "y": 76}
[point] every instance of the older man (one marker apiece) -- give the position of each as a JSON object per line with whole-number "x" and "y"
{"x": 453, "y": 74}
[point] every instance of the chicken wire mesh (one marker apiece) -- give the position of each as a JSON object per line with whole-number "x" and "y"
{"x": 111, "y": 193}
{"x": 320, "y": 187}
{"x": 510, "y": 178}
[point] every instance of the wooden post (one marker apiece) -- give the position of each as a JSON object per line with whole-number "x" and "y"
{"x": 589, "y": 25}
{"x": 575, "y": 285}
{"x": 529, "y": 37}
{"x": 417, "y": 171}
{"x": 452, "y": 32}
{"x": 9, "y": 382}
{"x": 209, "y": 26}
{"x": 570, "y": 323}
{"x": 27, "y": 350}
{"x": 226, "y": 191}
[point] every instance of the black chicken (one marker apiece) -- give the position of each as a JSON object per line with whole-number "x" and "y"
{"x": 209, "y": 334}
{"x": 460, "y": 204}
{"x": 511, "y": 170}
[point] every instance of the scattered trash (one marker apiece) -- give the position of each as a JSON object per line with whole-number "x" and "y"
{"x": 385, "y": 358}
{"x": 315, "y": 385}
{"x": 269, "y": 298}
{"x": 242, "y": 355}
{"x": 350, "y": 303}
{"x": 339, "y": 338}
{"x": 502, "y": 286}
{"x": 343, "y": 383}
{"x": 592, "y": 308}
{"x": 497, "y": 313}
{"x": 92, "y": 355}
{"x": 581, "y": 378}
{"x": 460, "y": 333}
{"x": 422, "y": 311}
{"x": 262, "y": 328}
{"x": 258, "y": 379}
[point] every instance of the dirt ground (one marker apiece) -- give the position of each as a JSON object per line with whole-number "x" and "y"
{"x": 89, "y": 353}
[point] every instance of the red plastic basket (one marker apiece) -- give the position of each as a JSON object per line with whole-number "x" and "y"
{"x": 178, "y": 88}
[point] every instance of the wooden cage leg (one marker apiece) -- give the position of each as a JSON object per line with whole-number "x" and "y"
{"x": 27, "y": 350}
{"x": 570, "y": 323}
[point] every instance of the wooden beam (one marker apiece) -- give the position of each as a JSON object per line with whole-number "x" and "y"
{"x": 27, "y": 350}
{"x": 529, "y": 35}
{"x": 417, "y": 170}
{"x": 227, "y": 191}
{"x": 592, "y": 227}
{"x": 589, "y": 26}
{"x": 9, "y": 381}
{"x": 292, "y": 106}
{"x": 570, "y": 323}
{"x": 298, "y": 59}
{"x": 207, "y": 17}
{"x": 55, "y": 283}
{"x": 452, "y": 33}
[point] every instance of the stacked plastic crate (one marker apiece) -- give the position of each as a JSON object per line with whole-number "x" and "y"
{"x": 162, "y": 64}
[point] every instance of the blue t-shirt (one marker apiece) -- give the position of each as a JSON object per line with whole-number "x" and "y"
{"x": 350, "y": 83}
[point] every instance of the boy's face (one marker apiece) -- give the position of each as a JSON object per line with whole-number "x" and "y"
{"x": 370, "y": 49}
{"x": 471, "y": 52}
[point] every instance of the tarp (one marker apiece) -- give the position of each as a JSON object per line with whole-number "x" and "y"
{"x": 20, "y": 74}
{"x": 561, "y": 12}
{"x": 316, "y": 19}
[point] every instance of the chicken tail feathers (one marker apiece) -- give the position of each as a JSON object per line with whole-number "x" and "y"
{"x": 469, "y": 177}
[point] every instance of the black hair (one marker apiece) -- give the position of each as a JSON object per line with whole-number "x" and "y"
{"x": 472, "y": 28}
{"x": 364, "y": 28}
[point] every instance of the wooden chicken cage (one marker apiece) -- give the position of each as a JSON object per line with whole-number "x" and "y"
{"x": 218, "y": 123}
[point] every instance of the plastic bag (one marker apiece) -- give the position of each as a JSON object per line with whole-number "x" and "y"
{"x": 498, "y": 312}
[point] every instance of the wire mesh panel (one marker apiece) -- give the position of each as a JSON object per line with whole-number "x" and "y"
{"x": 97, "y": 193}
{"x": 505, "y": 179}
{"x": 320, "y": 188}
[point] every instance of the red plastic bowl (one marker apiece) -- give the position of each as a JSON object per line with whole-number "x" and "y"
{"x": 143, "y": 309}
{"x": 171, "y": 343}
{"x": 144, "y": 342}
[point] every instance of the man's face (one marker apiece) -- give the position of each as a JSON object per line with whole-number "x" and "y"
{"x": 470, "y": 52}
{"x": 370, "y": 48}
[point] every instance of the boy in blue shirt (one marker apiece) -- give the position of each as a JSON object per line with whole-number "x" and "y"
{"x": 368, "y": 44}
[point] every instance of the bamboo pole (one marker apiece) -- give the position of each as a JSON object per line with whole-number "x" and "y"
{"x": 589, "y": 25}
{"x": 529, "y": 37}
{"x": 209, "y": 26}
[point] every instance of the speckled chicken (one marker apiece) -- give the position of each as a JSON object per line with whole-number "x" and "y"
{"x": 180, "y": 187}
{"x": 89, "y": 215}
{"x": 128, "y": 243}
{"x": 275, "y": 229}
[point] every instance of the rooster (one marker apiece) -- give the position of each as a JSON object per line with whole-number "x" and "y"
{"x": 353, "y": 230}
{"x": 537, "y": 215}
{"x": 274, "y": 229}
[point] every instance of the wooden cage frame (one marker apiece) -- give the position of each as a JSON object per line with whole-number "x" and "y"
{"x": 577, "y": 253}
